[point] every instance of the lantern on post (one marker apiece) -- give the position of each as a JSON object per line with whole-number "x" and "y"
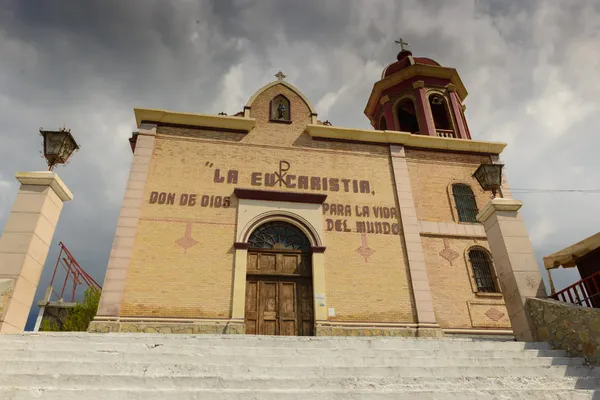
{"x": 58, "y": 145}
{"x": 489, "y": 177}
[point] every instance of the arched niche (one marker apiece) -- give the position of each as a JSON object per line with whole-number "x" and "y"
{"x": 280, "y": 109}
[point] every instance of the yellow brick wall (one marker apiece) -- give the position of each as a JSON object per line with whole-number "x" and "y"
{"x": 431, "y": 175}
{"x": 164, "y": 280}
{"x": 431, "y": 172}
{"x": 451, "y": 284}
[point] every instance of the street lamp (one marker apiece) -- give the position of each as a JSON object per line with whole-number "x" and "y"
{"x": 489, "y": 177}
{"x": 58, "y": 146}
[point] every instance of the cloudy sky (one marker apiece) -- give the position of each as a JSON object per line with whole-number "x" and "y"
{"x": 531, "y": 69}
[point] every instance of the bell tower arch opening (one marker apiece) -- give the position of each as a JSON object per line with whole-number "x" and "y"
{"x": 279, "y": 293}
{"x": 407, "y": 116}
{"x": 440, "y": 112}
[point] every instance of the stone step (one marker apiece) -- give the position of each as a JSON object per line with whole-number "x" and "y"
{"x": 294, "y": 394}
{"x": 84, "y": 348}
{"x": 343, "y": 360}
{"x": 19, "y": 366}
{"x": 79, "y": 381}
{"x": 232, "y": 349}
{"x": 271, "y": 341}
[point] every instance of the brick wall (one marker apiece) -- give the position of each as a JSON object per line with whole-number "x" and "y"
{"x": 182, "y": 261}
{"x": 167, "y": 280}
{"x": 455, "y": 302}
{"x": 431, "y": 173}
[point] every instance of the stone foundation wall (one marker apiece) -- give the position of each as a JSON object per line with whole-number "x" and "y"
{"x": 567, "y": 327}
{"x": 364, "y": 331}
{"x": 214, "y": 328}
{"x": 237, "y": 328}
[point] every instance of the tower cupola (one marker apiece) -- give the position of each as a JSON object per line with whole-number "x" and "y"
{"x": 420, "y": 96}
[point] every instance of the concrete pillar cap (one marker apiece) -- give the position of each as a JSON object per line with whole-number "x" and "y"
{"x": 498, "y": 204}
{"x": 46, "y": 178}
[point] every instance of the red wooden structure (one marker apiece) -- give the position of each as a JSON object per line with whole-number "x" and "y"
{"x": 74, "y": 273}
{"x": 586, "y": 292}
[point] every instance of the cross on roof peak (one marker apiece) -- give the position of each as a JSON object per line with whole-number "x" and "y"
{"x": 403, "y": 44}
{"x": 280, "y": 76}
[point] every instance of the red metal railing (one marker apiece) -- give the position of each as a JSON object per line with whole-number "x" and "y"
{"x": 72, "y": 271}
{"x": 586, "y": 292}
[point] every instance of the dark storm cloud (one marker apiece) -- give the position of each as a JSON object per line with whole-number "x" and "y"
{"x": 530, "y": 68}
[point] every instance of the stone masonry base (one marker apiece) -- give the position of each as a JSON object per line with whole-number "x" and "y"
{"x": 237, "y": 328}
{"x": 199, "y": 327}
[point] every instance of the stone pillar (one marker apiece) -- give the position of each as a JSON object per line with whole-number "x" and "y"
{"x": 456, "y": 110}
{"x": 320, "y": 302}
{"x": 238, "y": 307}
{"x": 517, "y": 269}
{"x": 426, "y": 126}
{"x": 427, "y": 324}
{"x": 388, "y": 113}
{"x": 25, "y": 243}
{"x": 122, "y": 248}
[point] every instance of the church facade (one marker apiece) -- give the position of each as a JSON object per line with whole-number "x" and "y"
{"x": 274, "y": 222}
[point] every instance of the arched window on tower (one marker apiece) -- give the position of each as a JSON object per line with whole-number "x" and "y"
{"x": 382, "y": 123}
{"x": 407, "y": 116}
{"x": 483, "y": 270}
{"x": 466, "y": 207}
{"x": 441, "y": 114}
{"x": 280, "y": 109}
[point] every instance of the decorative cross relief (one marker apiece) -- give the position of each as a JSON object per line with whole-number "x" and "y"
{"x": 279, "y": 76}
{"x": 364, "y": 250}
{"x": 187, "y": 241}
{"x": 448, "y": 253}
{"x": 494, "y": 314}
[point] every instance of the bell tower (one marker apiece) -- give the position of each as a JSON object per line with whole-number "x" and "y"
{"x": 418, "y": 95}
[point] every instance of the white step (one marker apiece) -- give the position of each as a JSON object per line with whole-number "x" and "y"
{"x": 160, "y": 369}
{"x": 83, "y": 381}
{"x": 265, "y": 360}
{"x": 199, "y": 347}
{"x": 223, "y": 394}
{"x": 275, "y": 341}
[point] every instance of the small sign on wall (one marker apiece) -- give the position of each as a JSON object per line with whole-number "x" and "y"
{"x": 320, "y": 299}
{"x": 332, "y": 312}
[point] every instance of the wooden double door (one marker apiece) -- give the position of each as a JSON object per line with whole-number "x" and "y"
{"x": 279, "y": 294}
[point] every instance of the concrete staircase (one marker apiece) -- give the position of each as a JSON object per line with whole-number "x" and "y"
{"x": 128, "y": 366}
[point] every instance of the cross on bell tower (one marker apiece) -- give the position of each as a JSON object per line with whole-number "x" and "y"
{"x": 403, "y": 44}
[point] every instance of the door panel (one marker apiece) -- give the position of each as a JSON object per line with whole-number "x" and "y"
{"x": 251, "y": 307}
{"x": 287, "y": 308}
{"x": 266, "y": 263}
{"x": 268, "y": 308}
{"x": 305, "y": 308}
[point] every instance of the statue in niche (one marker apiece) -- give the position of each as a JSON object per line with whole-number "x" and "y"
{"x": 281, "y": 111}
{"x": 280, "y": 108}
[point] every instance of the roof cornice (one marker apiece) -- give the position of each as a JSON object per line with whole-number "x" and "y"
{"x": 404, "y": 138}
{"x": 190, "y": 119}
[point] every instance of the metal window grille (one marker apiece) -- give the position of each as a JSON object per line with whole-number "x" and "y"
{"x": 482, "y": 271}
{"x": 278, "y": 235}
{"x": 465, "y": 203}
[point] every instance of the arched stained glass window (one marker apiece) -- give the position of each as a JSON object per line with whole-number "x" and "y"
{"x": 481, "y": 263}
{"x": 279, "y": 235}
{"x": 465, "y": 202}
